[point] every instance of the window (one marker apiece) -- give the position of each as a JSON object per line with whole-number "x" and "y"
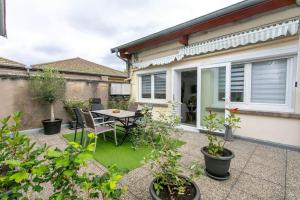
{"x": 268, "y": 81}
{"x": 153, "y": 86}
{"x": 146, "y": 86}
{"x": 160, "y": 86}
{"x": 237, "y": 83}
{"x": 261, "y": 85}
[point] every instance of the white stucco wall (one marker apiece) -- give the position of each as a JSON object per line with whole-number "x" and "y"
{"x": 274, "y": 129}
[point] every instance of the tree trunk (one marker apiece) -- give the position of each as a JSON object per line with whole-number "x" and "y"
{"x": 52, "y": 112}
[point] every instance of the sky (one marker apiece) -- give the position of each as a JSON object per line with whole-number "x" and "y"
{"x": 42, "y": 31}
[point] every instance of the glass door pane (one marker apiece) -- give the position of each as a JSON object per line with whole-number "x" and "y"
{"x": 213, "y": 91}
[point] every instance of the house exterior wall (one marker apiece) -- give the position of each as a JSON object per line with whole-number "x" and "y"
{"x": 16, "y": 95}
{"x": 268, "y": 128}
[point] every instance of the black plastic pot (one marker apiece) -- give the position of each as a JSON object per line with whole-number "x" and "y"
{"x": 155, "y": 197}
{"x": 52, "y": 127}
{"x": 217, "y": 167}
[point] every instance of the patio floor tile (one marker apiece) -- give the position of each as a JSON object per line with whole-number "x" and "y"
{"x": 141, "y": 188}
{"x": 259, "y": 187}
{"x": 272, "y": 174}
{"x": 270, "y": 152}
{"x": 236, "y": 194}
{"x": 240, "y": 160}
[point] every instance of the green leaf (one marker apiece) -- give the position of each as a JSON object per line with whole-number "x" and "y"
{"x": 19, "y": 176}
{"x": 62, "y": 162}
{"x": 91, "y": 136}
{"x": 54, "y": 153}
{"x": 83, "y": 157}
{"x": 91, "y": 147}
{"x": 75, "y": 145}
{"x": 12, "y": 162}
{"x": 68, "y": 173}
{"x": 40, "y": 170}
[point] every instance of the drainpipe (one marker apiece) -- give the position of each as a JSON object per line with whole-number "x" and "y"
{"x": 126, "y": 61}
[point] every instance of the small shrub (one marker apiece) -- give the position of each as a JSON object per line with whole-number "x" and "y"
{"x": 121, "y": 104}
{"x": 70, "y": 104}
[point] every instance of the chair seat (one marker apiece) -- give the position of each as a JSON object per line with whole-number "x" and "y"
{"x": 101, "y": 129}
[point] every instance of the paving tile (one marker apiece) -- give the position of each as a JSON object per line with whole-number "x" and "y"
{"x": 270, "y": 152}
{"x": 239, "y": 146}
{"x": 293, "y": 159}
{"x": 141, "y": 188}
{"x": 135, "y": 175}
{"x": 292, "y": 194}
{"x": 187, "y": 160}
{"x": 259, "y": 187}
{"x": 239, "y": 161}
{"x": 213, "y": 189}
{"x": 268, "y": 161}
{"x": 128, "y": 196}
{"x": 236, "y": 194}
{"x": 273, "y": 174}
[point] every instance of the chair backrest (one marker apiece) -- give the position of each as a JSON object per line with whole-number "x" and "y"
{"x": 89, "y": 119}
{"x": 133, "y": 107}
{"x": 97, "y": 106}
{"x": 96, "y": 100}
{"x": 79, "y": 118}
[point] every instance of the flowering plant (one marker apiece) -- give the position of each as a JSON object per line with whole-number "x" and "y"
{"x": 232, "y": 119}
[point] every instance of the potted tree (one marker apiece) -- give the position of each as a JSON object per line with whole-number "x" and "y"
{"x": 49, "y": 86}
{"x": 217, "y": 157}
{"x": 231, "y": 123}
{"x": 160, "y": 134}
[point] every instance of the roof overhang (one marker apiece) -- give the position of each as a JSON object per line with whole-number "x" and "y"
{"x": 220, "y": 17}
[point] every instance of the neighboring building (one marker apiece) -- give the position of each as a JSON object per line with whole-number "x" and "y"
{"x": 245, "y": 56}
{"x": 84, "y": 68}
{"x": 84, "y": 80}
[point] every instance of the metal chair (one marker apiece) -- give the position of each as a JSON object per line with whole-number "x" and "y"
{"x": 133, "y": 107}
{"x": 79, "y": 123}
{"x": 99, "y": 128}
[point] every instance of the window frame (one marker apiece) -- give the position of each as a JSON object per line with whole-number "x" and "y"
{"x": 152, "y": 98}
{"x": 288, "y": 106}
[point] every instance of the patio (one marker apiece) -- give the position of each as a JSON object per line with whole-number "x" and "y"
{"x": 257, "y": 171}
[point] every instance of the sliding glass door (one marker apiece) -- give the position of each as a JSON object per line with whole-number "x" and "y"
{"x": 214, "y": 90}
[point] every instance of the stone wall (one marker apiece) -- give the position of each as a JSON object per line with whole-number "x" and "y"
{"x": 15, "y": 95}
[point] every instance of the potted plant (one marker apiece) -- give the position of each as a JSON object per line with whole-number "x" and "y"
{"x": 217, "y": 158}
{"x": 71, "y": 104}
{"x": 160, "y": 134}
{"x": 49, "y": 86}
{"x": 231, "y": 123}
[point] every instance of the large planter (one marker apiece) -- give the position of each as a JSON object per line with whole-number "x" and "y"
{"x": 217, "y": 167}
{"x": 193, "y": 185}
{"x": 52, "y": 127}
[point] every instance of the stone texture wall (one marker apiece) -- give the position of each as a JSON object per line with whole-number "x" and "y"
{"x": 15, "y": 96}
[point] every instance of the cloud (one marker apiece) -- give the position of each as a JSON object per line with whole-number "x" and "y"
{"x": 48, "y": 30}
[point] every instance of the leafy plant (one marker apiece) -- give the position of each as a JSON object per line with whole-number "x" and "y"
{"x": 70, "y": 104}
{"x": 160, "y": 134}
{"x": 49, "y": 86}
{"x": 231, "y": 120}
{"x": 121, "y": 104}
{"x": 19, "y": 163}
{"x": 24, "y": 168}
{"x": 212, "y": 124}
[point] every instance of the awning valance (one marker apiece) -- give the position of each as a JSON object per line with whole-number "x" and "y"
{"x": 252, "y": 36}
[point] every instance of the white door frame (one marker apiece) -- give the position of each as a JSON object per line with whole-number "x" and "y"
{"x": 227, "y": 88}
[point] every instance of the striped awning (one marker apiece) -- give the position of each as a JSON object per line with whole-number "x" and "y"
{"x": 2, "y": 18}
{"x": 252, "y": 36}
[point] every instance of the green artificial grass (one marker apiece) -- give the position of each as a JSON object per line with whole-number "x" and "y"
{"x": 124, "y": 156}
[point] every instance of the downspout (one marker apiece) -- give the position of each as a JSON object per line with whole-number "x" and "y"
{"x": 128, "y": 64}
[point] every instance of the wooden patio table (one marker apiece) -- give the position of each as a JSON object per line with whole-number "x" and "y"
{"x": 123, "y": 117}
